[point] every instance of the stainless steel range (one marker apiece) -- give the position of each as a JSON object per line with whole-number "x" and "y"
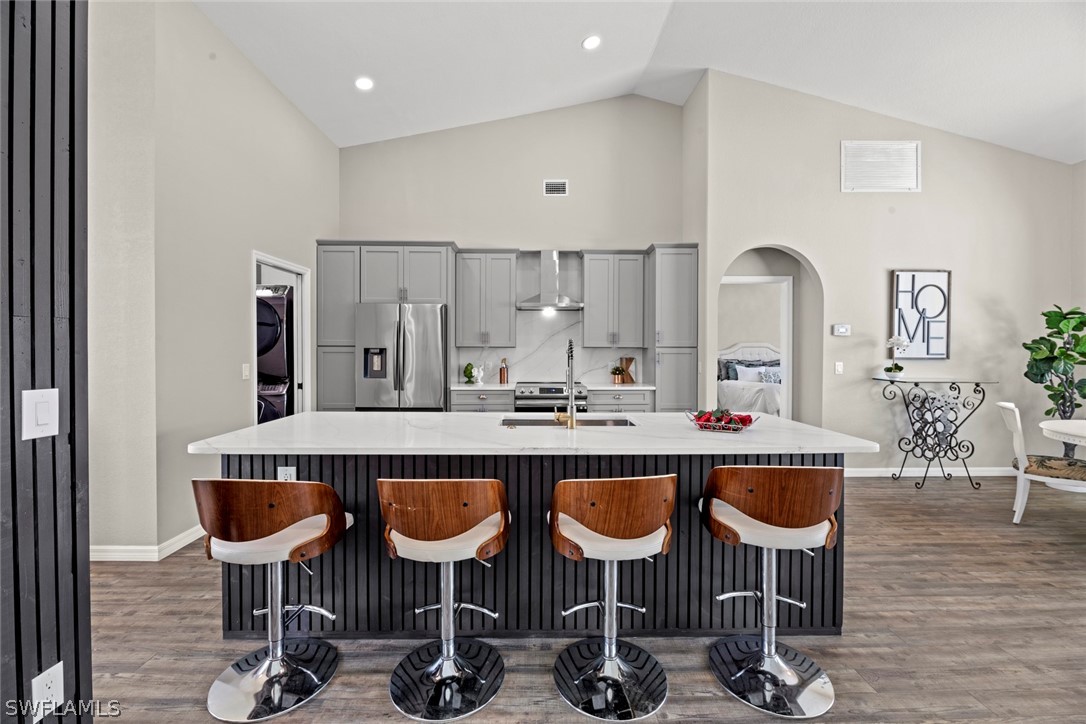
{"x": 548, "y": 397}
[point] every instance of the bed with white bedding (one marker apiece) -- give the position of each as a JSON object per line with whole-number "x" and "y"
{"x": 752, "y": 363}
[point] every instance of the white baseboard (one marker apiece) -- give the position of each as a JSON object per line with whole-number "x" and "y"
{"x": 919, "y": 472}
{"x": 146, "y": 553}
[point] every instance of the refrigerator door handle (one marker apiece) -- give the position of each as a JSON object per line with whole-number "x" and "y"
{"x": 397, "y": 356}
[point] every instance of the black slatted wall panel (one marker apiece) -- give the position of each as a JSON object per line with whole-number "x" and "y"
{"x": 44, "y": 555}
{"x": 530, "y": 583}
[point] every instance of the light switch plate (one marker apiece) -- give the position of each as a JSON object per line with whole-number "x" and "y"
{"x": 839, "y": 368}
{"x": 41, "y": 413}
{"x": 47, "y": 690}
{"x": 842, "y": 330}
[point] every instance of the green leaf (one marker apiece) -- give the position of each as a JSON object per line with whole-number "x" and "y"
{"x": 1063, "y": 366}
{"x": 1050, "y": 412}
{"x": 1066, "y": 325}
{"x": 1053, "y": 319}
{"x": 1080, "y": 388}
{"x": 1038, "y": 370}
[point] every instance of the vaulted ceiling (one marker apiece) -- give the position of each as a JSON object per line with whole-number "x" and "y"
{"x": 1013, "y": 74}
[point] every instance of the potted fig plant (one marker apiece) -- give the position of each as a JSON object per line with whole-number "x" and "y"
{"x": 617, "y": 374}
{"x": 894, "y": 370}
{"x": 1053, "y": 359}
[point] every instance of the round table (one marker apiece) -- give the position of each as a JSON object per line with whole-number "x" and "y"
{"x": 1072, "y": 432}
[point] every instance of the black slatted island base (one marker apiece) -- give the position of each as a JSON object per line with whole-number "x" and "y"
{"x": 529, "y": 583}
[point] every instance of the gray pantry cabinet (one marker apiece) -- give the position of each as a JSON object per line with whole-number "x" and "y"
{"x": 486, "y": 290}
{"x": 671, "y": 324}
{"x": 614, "y": 300}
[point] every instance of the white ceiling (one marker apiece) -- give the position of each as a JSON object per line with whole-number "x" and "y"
{"x": 1009, "y": 73}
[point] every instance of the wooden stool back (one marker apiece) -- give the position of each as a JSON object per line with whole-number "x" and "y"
{"x": 784, "y": 497}
{"x": 433, "y": 510}
{"x": 244, "y": 510}
{"x": 614, "y": 507}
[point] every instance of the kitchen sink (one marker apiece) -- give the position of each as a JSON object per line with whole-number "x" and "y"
{"x": 581, "y": 422}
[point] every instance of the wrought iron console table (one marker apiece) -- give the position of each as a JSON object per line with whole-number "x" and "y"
{"x": 936, "y": 419}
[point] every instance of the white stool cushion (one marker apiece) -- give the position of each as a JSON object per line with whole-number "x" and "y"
{"x": 756, "y": 533}
{"x": 458, "y": 548}
{"x": 602, "y": 548}
{"x": 273, "y": 548}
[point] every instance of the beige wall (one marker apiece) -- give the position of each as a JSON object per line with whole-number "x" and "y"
{"x": 121, "y": 274}
{"x": 481, "y": 185}
{"x": 997, "y": 218}
{"x": 1078, "y": 205}
{"x": 748, "y": 313}
{"x": 237, "y": 168}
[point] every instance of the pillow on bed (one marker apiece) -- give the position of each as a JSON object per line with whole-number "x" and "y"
{"x": 749, "y": 374}
{"x": 772, "y": 376}
{"x": 722, "y": 369}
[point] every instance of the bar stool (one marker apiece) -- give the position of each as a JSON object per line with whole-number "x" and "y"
{"x": 611, "y": 520}
{"x": 268, "y": 522}
{"x": 445, "y": 521}
{"x": 774, "y": 508}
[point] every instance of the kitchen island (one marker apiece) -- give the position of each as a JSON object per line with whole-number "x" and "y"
{"x": 529, "y": 583}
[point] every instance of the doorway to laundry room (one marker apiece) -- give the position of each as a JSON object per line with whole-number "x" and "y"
{"x": 280, "y": 367}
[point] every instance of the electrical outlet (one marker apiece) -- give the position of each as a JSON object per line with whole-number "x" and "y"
{"x": 47, "y": 690}
{"x": 839, "y": 368}
{"x": 285, "y": 473}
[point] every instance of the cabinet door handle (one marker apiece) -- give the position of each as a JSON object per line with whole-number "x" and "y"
{"x": 618, "y": 397}
{"x": 657, "y": 336}
{"x": 482, "y": 397}
{"x": 657, "y": 359}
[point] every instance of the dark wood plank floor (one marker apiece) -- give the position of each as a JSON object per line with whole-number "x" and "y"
{"x": 951, "y": 613}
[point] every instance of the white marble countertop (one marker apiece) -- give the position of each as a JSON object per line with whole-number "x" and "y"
{"x": 482, "y": 387}
{"x": 494, "y": 386}
{"x": 480, "y": 433}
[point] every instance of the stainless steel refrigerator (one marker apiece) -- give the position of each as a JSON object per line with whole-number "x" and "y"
{"x": 399, "y": 357}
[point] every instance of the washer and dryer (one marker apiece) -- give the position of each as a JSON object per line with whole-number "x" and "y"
{"x": 274, "y": 351}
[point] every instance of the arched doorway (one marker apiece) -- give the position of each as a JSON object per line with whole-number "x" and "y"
{"x": 771, "y": 298}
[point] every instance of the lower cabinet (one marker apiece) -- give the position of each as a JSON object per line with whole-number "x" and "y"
{"x": 481, "y": 401}
{"x": 620, "y": 401}
{"x": 335, "y": 378}
{"x": 676, "y": 379}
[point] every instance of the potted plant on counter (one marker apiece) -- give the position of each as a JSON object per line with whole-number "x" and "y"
{"x": 896, "y": 344}
{"x": 617, "y": 374}
{"x": 1052, "y": 362}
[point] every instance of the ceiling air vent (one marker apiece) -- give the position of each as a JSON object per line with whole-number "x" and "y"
{"x": 880, "y": 166}
{"x": 556, "y": 187}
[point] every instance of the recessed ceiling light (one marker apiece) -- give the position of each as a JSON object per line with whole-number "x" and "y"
{"x": 591, "y": 42}
{"x": 364, "y": 83}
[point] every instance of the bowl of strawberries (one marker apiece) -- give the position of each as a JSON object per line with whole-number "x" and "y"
{"x": 721, "y": 420}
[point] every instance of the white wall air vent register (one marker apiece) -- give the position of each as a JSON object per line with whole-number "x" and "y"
{"x": 880, "y": 166}
{"x": 556, "y": 187}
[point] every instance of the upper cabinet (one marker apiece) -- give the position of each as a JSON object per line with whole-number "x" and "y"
{"x": 614, "y": 300}
{"x": 672, "y": 316}
{"x": 486, "y": 299}
{"x": 413, "y": 274}
{"x": 337, "y": 293}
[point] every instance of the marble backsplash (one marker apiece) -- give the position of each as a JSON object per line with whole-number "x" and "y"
{"x": 540, "y": 354}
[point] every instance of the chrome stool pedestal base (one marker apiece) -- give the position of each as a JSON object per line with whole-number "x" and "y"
{"x": 789, "y": 684}
{"x": 258, "y": 687}
{"x": 427, "y": 686}
{"x": 630, "y": 686}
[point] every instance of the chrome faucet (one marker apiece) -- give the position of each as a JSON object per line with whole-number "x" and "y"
{"x": 570, "y": 416}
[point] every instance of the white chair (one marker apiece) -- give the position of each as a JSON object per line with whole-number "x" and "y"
{"x": 1056, "y": 472}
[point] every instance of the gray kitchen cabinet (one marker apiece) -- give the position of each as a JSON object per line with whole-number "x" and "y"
{"x": 673, "y": 296}
{"x": 335, "y": 378}
{"x": 416, "y": 274}
{"x": 614, "y": 300}
{"x": 382, "y": 274}
{"x": 337, "y": 293}
{"x": 481, "y": 401}
{"x": 486, "y": 299}
{"x": 676, "y": 379}
{"x": 619, "y": 400}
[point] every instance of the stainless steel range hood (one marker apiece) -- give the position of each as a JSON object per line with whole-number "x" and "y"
{"x": 549, "y": 297}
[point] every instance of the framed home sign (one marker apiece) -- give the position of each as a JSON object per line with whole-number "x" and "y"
{"x": 920, "y": 312}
